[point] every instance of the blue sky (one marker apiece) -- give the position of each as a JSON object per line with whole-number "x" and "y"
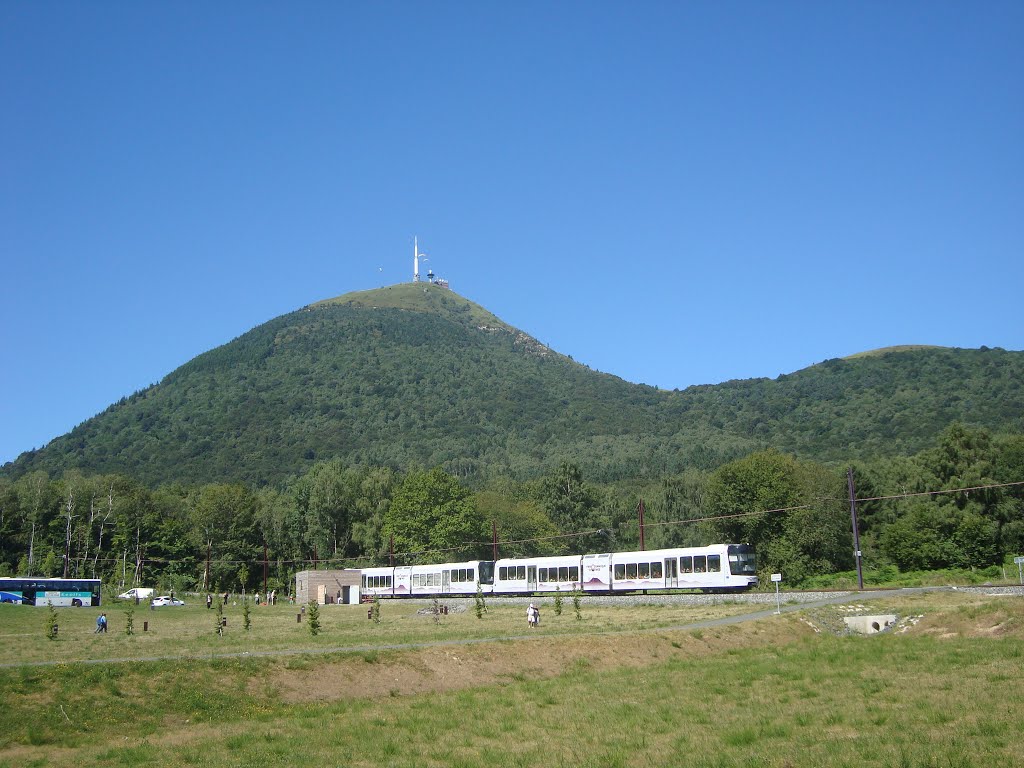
{"x": 676, "y": 193}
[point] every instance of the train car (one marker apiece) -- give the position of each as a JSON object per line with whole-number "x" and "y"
{"x": 719, "y": 567}
{"x": 445, "y": 579}
{"x": 537, "y": 574}
{"x": 442, "y": 579}
{"x": 377, "y": 582}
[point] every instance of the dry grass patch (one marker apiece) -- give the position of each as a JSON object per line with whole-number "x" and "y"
{"x": 456, "y": 667}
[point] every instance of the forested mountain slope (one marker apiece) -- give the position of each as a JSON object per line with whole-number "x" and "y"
{"x": 414, "y": 374}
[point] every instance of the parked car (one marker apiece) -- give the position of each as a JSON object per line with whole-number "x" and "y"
{"x": 166, "y": 600}
{"x": 137, "y": 593}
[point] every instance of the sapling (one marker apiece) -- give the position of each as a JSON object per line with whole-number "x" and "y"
{"x": 480, "y": 607}
{"x": 51, "y": 623}
{"x": 314, "y": 618}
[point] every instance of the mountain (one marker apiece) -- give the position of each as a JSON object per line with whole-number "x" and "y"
{"x": 415, "y": 374}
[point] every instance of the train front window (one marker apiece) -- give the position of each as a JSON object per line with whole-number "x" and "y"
{"x": 742, "y": 561}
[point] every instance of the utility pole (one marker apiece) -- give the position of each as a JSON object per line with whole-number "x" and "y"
{"x": 640, "y": 509}
{"x": 856, "y": 533}
{"x": 264, "y": 566}
{"x": 494, "y": 538}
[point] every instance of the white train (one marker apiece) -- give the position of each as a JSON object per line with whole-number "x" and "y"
{"x": 715, "y": 568}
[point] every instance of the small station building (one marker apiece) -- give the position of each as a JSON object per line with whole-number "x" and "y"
{"x": 328, "y": 587}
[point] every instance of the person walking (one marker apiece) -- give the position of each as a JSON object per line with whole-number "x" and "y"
{"x": 209, "y": 601}
{"x": 101, "y": 623}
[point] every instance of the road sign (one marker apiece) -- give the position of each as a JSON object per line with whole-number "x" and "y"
{"x": 1018, "y": 560}
{"x": 776, "y": 577}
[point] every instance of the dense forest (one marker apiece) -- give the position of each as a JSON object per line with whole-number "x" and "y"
{"x": 229, "y": 536}
{"x": 410, "y": 420}
{"x": 408, "y": 376}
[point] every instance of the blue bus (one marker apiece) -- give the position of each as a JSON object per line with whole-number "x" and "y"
{"x": 29, "y": 590}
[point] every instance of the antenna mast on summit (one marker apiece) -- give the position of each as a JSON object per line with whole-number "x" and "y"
{"x": 415, "y": 260}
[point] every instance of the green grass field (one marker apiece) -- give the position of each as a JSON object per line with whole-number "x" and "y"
{"x": 617, "y": 688}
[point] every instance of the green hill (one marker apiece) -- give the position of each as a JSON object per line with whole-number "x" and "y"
{"x": 414, "y": 374}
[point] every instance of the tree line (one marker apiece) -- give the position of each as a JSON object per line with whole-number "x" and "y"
{"x": 230, "y": 536}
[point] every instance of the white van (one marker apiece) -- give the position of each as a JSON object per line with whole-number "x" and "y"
{"x": 137, "y": 593}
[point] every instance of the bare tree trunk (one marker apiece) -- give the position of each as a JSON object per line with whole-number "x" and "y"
{"x": 87, "y": 538}
{"x": 105, "y": 519}
{"x": 38, "y": 482}
{"x": 31, "y": 544}
{"x": 69, "y": 508}
{"x": 138, "y": 557}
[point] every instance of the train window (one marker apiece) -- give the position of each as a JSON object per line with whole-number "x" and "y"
{"x": 387, "y": 581}
{"x": 714, "y": 563}
{"x": 656, "y": 570}
{"x": 630, "y": 570}
{"x": 644, "y": 570}
{"x": 686, "y": 564}
{"x": 620, "y": 571}
{"x": 563, "y": 573}
{"x": 503, "y": 573}
{"x": 543, "y": 574}
{"x": 521, "y": 572}
{"x": 470, "y": 574}
{"x": 574, "y": 573}
{"x": 700, "y": 564}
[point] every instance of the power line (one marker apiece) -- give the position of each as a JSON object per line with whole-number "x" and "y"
{"x": 937, "y": 493}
